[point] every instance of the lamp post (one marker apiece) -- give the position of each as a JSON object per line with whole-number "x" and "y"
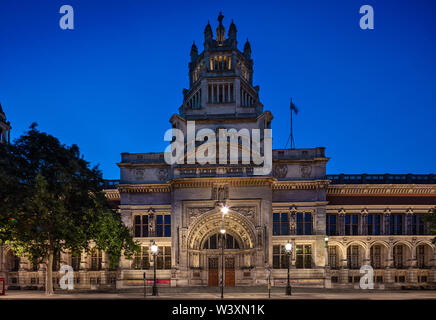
{"x": 326, "y": 239}
{"x": 224, "y": 211}
{"x": 154, "y": 249}
{"x": 288, "y": 248}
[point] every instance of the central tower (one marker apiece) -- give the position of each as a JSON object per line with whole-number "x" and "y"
{"x": 221, "y": 78}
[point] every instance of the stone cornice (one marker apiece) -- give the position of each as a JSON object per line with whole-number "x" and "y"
{"x": 382, "y": 189}
{"x": 256, "y": 181}
{"x": 112, "y": 194}
{"x": 300, "y": 185}
{"x": 144, "y": 187}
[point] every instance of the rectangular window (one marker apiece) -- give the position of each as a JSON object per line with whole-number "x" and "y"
{"x": 142, "y": 260}
{"x": 75, "y": 261}
{"x": 420, "y": 256}
{"x": 304, "y": 257}
{"x": 163, "y": 225}
{"x": 418, "y": 225}
{"x": 333, "y": 258}
{"x": 280, "y": 258}
{"x": 375, "y": 252}
{"x": 396, "y": 224}
{"x": 351, "y": 224}
{"x": 141, "y": 226}
{"x": 164, "y": 258}
{"x": 280, "y": 224}
{"x": 373, "y": 224}
{"x": 398, "y": 256}
{"x": 304, "y": 223}
{"x": 96, "y": 260}
{"x": 353, "y": 257}
{"x": 331, "y": 224}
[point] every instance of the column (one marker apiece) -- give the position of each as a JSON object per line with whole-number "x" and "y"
{"x": 343, "y": 271}
{"x": 22, "y": 273}
{"x": 367, "y": 256}
{"x": 83, "y": 272}
{"x": 104, "y": 273}
{"x": 389, "y": 272}
{"x": 412, "y": 272}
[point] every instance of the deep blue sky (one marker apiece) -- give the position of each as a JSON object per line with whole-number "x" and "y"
{"x": 111, "y": 84}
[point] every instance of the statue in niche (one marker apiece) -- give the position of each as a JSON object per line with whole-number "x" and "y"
{"x": 221, "y": 192}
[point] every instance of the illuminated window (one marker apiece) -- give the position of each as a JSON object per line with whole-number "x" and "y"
{"x": 304, "y": 257}
{"x": 280, "y": 257}
{"x": 141, "y": 260}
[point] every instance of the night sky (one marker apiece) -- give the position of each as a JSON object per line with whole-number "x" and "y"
{"x": 111, "y": 84}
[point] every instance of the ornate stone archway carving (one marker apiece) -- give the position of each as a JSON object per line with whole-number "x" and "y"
{"x": 210, "y": 222}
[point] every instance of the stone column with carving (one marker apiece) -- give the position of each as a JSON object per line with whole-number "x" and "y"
{"x": 389, "y": 272}
{"x": 104, "y": 273}
{"x": 83, "y": 272}
{"x": 341, "y": 222}
{"x": 386, "y": 221}
{"x": 343, "y": 271}
{"x": 408, "y": 222}
{"x": 293, "y": 221}
{"x": 364, "y": 222}
{"x": 22, "y": 272}
{"x": 412, "y": 271}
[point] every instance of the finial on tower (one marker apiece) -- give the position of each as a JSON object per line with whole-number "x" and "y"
{"x": 220, "y": 30}
{"x": 220, "y": 18}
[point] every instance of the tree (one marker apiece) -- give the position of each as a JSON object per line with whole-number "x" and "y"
{"x": 431, "y": 219}
{"x": 52, "y": 201}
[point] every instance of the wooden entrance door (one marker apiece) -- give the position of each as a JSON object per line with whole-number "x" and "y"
{"x": 213, "y": 272}
{"x": 230, "y": 272}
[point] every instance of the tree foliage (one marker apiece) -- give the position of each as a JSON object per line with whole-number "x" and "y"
{"x": 52, "y": 201}
{"x": 431, "y": 219}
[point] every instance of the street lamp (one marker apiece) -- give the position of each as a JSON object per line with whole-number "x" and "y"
{"x": 223, "y": 233}
{"x": 154, "y": 249}
{"x": 326, "y": 239}
{"x": 288, "y": 248}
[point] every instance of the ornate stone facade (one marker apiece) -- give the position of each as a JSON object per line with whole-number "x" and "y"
{"x": 367, "y": 218}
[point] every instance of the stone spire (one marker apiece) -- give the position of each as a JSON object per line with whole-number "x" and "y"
{"x": 194, "y": 51}
{"x": 247, "y": 50}
{"x": 232, "y": 34}
{"x": 220, "y": 30}
{"x": 208, "y": 35}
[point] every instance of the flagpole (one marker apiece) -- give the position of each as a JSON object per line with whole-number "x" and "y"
{"x": 292, "y": 135}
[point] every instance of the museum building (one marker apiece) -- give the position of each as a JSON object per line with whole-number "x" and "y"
{"x": 335, "y": 223}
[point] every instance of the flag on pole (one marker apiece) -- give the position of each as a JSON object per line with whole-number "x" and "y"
{"x": 294, "y": 107}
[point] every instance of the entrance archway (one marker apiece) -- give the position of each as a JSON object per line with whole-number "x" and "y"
{"x": 205, "y": 251}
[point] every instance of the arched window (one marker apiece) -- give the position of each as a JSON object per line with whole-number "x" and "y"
{"x": 213, "y": 242}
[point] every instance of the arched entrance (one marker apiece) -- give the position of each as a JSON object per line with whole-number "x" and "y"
{"x": 217, "y": 254}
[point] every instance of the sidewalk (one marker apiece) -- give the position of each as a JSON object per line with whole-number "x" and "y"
{"x": 236, "y": 293}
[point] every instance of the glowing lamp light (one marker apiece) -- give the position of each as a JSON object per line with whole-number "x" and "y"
{"x": 288, "y": 247}
{"x": 154, "y": 248}
{"x": 326, "y": 239}
{"x": 225, "y": 210}
{"x": 223, "y": 231}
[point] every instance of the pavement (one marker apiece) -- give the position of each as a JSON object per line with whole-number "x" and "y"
{"x": 231, "y": 293}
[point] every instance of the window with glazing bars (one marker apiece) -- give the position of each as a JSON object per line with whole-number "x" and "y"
{"x": 280, "y": 257}
{"x": 280, "y": 224}
{"x": 351, "y": 224}
{"x": 304, "y": 223}
{"x": 141, "y": 226}
{"x": 163, "y": 225}
{"x": 331, "y": 224}
{"x": 304, "y": 257}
